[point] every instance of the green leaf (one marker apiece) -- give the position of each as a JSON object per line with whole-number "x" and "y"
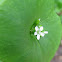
{"x": 16, "y": 20}
{"x": 58, "y": 6}
{"x": 58, "y": 3}
{"x": 2, "y": 1}
{"x": 61, "y": 24}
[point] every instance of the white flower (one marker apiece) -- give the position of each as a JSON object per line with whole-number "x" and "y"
{"x": 39, "y": 32}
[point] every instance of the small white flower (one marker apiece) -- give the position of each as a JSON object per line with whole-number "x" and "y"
{"x": 41, "y": 28}
{"x": 38, "y": 36}
{"x": 36, "y": 28}
{"x": 39, "y": 32}
{"x": 46, "y": 32}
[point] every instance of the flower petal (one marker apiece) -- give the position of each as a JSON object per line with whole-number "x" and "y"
{"x": 39, "y": 19}
{"x": 42, "y": 34}
{"x": 35, "y": 33}
{"x": 38, "y": 37}
{"x": 41, "y": 28}
{"x": 46, "y": 32}
{"x": 36, "y": 28}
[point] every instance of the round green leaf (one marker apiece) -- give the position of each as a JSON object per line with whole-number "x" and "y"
{"x": 16, "y": 19}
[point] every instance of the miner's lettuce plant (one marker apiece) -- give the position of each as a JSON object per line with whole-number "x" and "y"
{"x": 18, "y": 19}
